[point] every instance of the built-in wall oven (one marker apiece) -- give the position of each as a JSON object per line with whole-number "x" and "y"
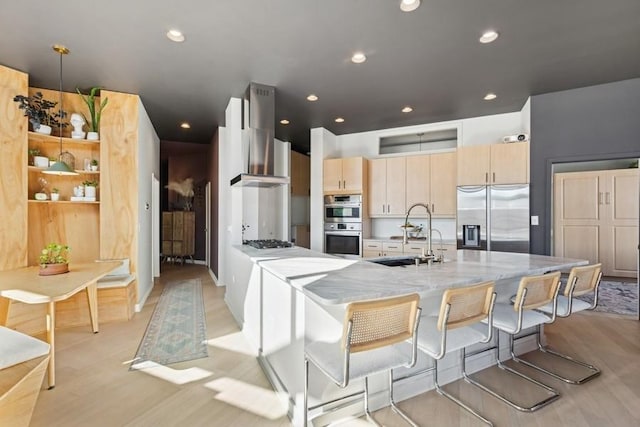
{"x": 343, "y": 225}
{"x": 343, "y": 238}
{"x": 344, "y": 208}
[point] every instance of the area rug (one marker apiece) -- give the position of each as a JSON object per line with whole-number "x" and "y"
{"x": 176, "y": 331}
{"x": 616, "y": 297}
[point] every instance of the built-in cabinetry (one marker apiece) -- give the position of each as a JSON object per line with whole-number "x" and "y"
{"x": 596, "y": 218}
{"x": 372, "y": 248}
{"x": 387, "y": 191}
{"x": 431, "y": 179}
{"x": 493, "y": 164}
{"x": 300, "y": 174}
{"x": 178, "y": 234}
{"x": 107, "y": 228}
{"x": 344, "y": 176}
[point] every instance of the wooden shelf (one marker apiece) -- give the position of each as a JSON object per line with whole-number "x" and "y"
{"x": 80, "y": 172}
{"x": 65, "y": 202}
{"x": 39, "y": 137}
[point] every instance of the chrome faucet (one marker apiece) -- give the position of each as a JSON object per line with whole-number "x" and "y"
{"x": 406, "y": 221}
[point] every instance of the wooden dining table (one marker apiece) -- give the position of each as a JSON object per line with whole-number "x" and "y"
{"x": 27, "y": 286}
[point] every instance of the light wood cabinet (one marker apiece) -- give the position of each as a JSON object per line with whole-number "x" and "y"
{"x": 387, "y": 187}
{"x": 431, "y": 179}
{"x": 493, "y": 164}
{"x": 300, "y": 174}
{"x": 596, "y": 218}
{"x": 371, "y": 248}
{"x": 178, "y": 234}
{"x": 344, "y": 176}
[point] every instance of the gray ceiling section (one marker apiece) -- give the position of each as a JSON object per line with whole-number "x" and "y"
{"x": 429, "y": 59}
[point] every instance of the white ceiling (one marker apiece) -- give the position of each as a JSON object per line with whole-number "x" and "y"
{"x": 429, "y": 59}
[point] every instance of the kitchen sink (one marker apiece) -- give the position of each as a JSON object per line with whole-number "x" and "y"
{"x": 394, "y": 262}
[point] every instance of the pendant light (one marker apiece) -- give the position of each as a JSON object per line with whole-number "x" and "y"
{"x": 60, "y": 167}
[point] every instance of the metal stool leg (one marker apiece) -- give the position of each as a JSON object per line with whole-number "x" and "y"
{"x": 594, "y": 371}
{"x": 366, "y": 403}
{"x": 544, "y": 402}
{"x": 395, "y": 408}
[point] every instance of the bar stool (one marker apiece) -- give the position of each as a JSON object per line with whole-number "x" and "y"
{"x": 581, "y": 281}
{"x": 457, "y": 326}
{"x": 373, "y": 340}
{"x": 533, "y": 292}
{"x": 23, "y": 363}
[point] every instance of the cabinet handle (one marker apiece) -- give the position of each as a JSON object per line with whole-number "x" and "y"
{"x": 344, "y": 184}
{"x": 388, "y": 208}
{"x": 433, "y": 208}
{"x": 607, "y": 197}
{"x": 494, "y": 177}
{"x": 486, "y": 177}
{"x": 600, "y": 197}
{"x": 383, "y": 208}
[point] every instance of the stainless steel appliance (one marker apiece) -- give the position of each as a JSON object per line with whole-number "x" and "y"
{"x": 346, "y": 208}
{"x": 343, "y": 238}
{"x": 494, "y": 217}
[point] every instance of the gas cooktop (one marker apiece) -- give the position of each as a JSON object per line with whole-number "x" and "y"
{"x": 267, "y": 244}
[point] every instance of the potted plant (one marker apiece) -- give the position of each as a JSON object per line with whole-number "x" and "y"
{"x": 39, "y": 112}
{"x": 94, "y": 112}
{"x": 94, "y": 165}
{"x": 55, "y": 194}
{"x": 53, "y": 259}
{"x": 90, "y": 188}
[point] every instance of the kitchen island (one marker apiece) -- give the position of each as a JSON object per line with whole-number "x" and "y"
{"x": 290, "y": 295}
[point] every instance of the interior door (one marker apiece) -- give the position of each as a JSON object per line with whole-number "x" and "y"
{"x": 207, "y": 225}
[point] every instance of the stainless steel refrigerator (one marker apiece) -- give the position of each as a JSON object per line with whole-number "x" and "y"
{"x": 493, "y": 217}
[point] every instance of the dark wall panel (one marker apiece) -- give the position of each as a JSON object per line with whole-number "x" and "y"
{"x": 591, "y": 123}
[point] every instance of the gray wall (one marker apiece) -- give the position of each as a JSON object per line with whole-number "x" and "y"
{"x": 596, "y": 122}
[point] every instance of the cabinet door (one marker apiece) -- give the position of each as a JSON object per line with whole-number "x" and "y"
{"x": 300, "y": 173}
{"x": 377, "y": 187}
{"x": 352, "y": 174}
{"x": 392, "y": 248}
{"x": 419, "y": 180}
{"x": 396, "y": 188}
{"x": 510, "y": 163}
{"x": 443, "y": 185}
{"x": 332, "y": 175}
{"x": 473, "y": 165}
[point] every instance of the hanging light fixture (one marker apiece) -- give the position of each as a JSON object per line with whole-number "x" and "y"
{"x": 60, "y": 167}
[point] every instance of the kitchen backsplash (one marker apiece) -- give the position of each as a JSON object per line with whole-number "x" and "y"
{"x": 386, "y": 227}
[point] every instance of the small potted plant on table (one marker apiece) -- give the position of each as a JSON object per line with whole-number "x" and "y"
{"x": 90, "y": 189}
{"x": 55, "y": 194}
{"x": 53, "y": 259}
{"x": 94, "y": 165}
{"x": 95, "y": 112}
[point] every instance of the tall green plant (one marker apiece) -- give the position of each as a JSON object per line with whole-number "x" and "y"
{"x": 95, "y": 113}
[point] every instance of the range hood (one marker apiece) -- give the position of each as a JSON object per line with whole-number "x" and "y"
{"x": 259, "y": 120}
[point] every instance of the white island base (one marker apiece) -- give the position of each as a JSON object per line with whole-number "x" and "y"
{"x": 282, "y": 297}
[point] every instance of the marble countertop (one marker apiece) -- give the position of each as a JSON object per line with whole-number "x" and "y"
{"x": 398, "y": 239}
{"x": 332, "y": 280}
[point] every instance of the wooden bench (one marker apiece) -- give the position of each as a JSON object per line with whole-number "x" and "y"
{"x": 117, "y": 295}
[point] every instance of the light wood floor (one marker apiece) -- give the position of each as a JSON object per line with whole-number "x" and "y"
{"x": 95, "y": 387}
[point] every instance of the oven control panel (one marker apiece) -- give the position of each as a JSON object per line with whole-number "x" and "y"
{"x": 343, "y": 226}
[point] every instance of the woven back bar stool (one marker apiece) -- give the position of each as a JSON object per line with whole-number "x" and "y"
{"x": 374, "y": 339}
{"x": 582, "y": 281}
{"x": 533, "y": 293}
{"x": 458, "y": 325}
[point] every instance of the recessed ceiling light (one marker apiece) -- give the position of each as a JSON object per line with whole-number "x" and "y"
{"x": 284, "y": 122}
{"x": 175, "y": 36}
{"x": 490, "y": 96}
{"x": 339, "y": 120}
{"x": 312, "y": 98}
{"x": 488, "y": 36}
{"x": 409, "y": 5}
{"x": 407, "y": 109}
{"x": 358, "y": 58}
{"x": 185, "y": 125}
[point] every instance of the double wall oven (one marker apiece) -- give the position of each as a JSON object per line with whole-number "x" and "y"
{"x": 343, "y": 225}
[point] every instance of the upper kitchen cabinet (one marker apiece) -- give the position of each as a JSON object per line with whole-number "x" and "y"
{"x": 387, "y": 186}
{"x": 300, "y": 174}
{"x": 344, "y": 176}
{"x": 431, "y": 179}
{"x": 494, "y": 164}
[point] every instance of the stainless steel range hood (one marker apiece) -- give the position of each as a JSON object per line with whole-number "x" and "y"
{"x": 259, "y": 120}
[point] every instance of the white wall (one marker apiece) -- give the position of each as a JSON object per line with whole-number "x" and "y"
{"x": 148, "y": 164}
{"x": 471, "y": 131}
